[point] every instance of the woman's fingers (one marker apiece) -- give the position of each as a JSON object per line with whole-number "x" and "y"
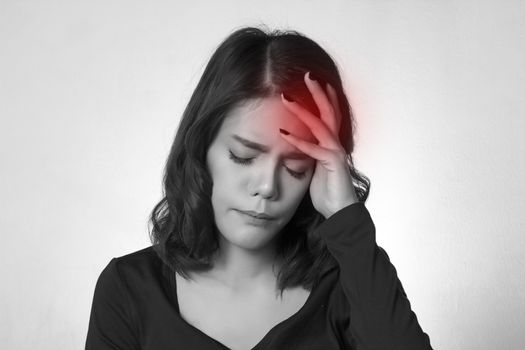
{"x": 316, "y": 152}
{"x": 332, "y": 94}
{"x": 326, "y": 108}
{"x": 316, "y": 125}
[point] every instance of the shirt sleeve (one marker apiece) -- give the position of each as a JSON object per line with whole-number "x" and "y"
{"x": 380, "y": 313}
{"x": 111, "y": 324}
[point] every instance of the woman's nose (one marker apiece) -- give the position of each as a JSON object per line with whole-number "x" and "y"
{"x": 267, "y": 182}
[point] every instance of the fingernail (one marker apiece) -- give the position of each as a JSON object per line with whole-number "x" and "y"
{"x": 312, "y": 77}
{"x": 287, "y": 97}
{"x": 282, "y": 131}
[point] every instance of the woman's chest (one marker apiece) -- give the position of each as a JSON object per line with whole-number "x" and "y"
{"x": 236, "y": 322}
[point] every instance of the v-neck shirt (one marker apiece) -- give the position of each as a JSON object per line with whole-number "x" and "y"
{"x": 358, "y": 304}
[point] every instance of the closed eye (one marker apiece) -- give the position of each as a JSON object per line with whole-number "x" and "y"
{"x": 247, "y": 161}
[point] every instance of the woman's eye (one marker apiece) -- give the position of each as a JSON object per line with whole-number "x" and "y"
{"x": 246, "y": 161}
{"x": 239, "y": 160}
{"x": 297, "y": 175}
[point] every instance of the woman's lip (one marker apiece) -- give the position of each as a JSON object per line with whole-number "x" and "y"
{"x": 257, "y": 215}
{"x": 252, "y": 220}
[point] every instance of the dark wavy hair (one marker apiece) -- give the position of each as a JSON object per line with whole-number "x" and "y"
{"x": 250, "y": 63}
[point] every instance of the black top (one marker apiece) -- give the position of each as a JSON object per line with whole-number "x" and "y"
{"x": 359, "y": 304}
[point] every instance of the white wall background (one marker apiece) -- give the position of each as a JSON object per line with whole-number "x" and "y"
{"x": 90, "y": 97}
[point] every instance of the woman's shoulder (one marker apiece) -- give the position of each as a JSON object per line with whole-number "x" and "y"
{"x": 141, "y": 256}
{"x": 139, "y": 259}
{"x": 122, "y": 287}
{"x": 135, "y": 268}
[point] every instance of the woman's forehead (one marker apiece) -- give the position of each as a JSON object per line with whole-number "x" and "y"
{"x": 263, "y": 117}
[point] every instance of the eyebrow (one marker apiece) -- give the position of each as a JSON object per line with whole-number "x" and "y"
{"x": 265, "y": 149}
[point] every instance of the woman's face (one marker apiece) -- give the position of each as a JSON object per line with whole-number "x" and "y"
{"x": 271, "y": 177}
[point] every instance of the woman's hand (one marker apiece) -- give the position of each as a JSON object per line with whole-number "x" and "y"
{"x": 331, "y": 188}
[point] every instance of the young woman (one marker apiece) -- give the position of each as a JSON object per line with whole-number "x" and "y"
{"x": 262, "y": 239}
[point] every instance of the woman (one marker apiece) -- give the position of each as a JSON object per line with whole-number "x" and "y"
{"x": 262, "y": 240}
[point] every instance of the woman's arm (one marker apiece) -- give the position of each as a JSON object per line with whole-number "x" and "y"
{"x": 111, "y": 324}
{"x": 380, "y": 313}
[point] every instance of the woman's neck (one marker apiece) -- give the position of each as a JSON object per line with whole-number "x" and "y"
{"x": 244, "y": 270}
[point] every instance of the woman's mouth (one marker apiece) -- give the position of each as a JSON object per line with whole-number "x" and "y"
{"x": 257, "y": 214}
{"x": 255, "y": 218}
